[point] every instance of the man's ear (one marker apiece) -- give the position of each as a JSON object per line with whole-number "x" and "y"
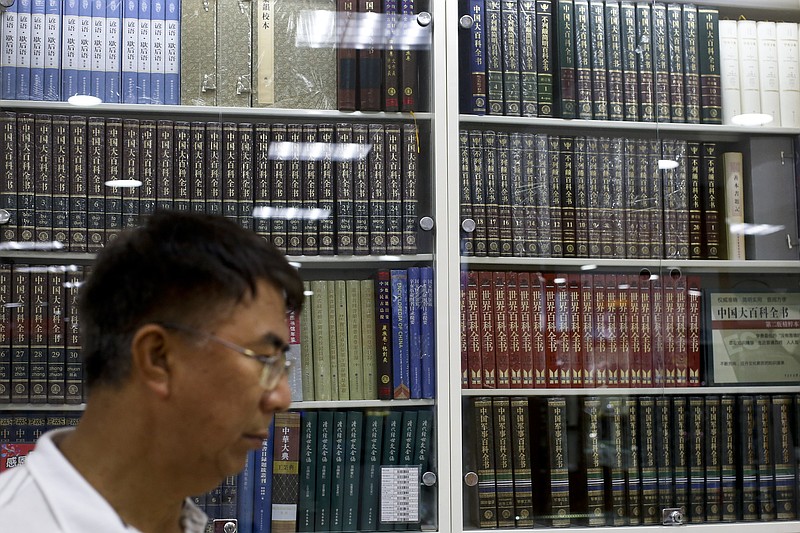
{"x": 150, "y": 358}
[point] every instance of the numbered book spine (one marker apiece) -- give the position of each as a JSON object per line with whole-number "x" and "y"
{"x": 475, "y": 75}
{"x": 645, "y": 65}
{"x": 21, "y": 316}
{"x": 391, "y": 57}
{"x": 504, "y": 476}
{"x": 784, "y": 458}
{"x": 164, "y": 165}
{"x": 675, "y": 62}
{"x": 286, "y": 471}
{"x": 113, "y": 172}
{"x": 614, "y": 60}
{"x": 37, "y": 49}
{"x": 691, "y": 63}
{"x": 37, "y": 337}
{"x": 278, "y": 182}
{"x": 485, "y": 451}
{"x": 96, "y": 176}
{"x": 410, "y": 188}
{"x": 376, "y": 172}
{"x": 294, "y": 194}
{"x": 309, "y": 195}
{"x": 583, "y": 62}
{"x": 486, "y": 317}
{"x": 343, "y": 372}
{"x": 129, "y": 51}
{"x": 648, "y": 460}
{"x": 660, "y": 37}
{"x": 764, "y": 444}
{"x": 598, "y": 59}
{"x": 593, "y": 463}
{"x": 409, "y": 75}
{"x": 630, "y": 59}
{"x": 8, "y": 52}
{"x": 73, "y": 366}
{"x": 361, "y": 178}
{"x": 371, "y": 469}
{"x": 500, "y": 330}
{"x": 566, "y": 37}
{"x": 728, "y": 465}
{"x": 509, "y": 22}
{"x": 747, "y": 478}
{"x": 494, "y": 57}
{"x": 545, "y": 48}
{"x": 394, "y": 189}
{"x": 528, "y": 61}
{"x": 43, "y": 178}
{"x": 521, "y": 462}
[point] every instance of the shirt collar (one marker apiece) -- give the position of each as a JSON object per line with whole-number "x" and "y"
{"x": 77, "y": 506}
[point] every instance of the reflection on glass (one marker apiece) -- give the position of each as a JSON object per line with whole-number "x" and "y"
{"x": 315, "y": 151}
{"x": 329, "y": 29}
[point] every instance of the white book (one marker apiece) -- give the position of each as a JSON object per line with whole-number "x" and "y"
{"x": 749, "y": 77}
{"x": 113, "y": 46}
{"x": 37, "y": 49}
{"x": 789, "y": 73}
{"x": 8, "y": 57}
{"x": 98, "y": 66}
{"x": 52, "y": 56}
{"x": 729, "y": 70}
{"x": 734, "y": 204}
{"x": 130, "y": 43}
{"x": 69, "y": 49}
{"x": 143, "y": 53}
{"x": 172, "y": 52}
{"x": 23, "y": 50}
{"x": 85, "y": 47}
{"x": 769, "y": 83}
{"x": 157, "y": 45}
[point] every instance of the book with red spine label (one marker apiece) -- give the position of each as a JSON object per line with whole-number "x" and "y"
{"x": 587, "y": 330}
{"x": 487, "y": 324}
{"x": 514, "y": 341}
{"x": 612, "y": 330}
{"x": 473, "y": 314}
{"x": 576, "y": 365}
{"x": 500, "y": 330}
{"x": 693, "y": 331}
{"x": 551, "y": 341}
{"x": 564, "y": 358}
{"x": 599, "y": 332}
{"x": 526, "y": 327}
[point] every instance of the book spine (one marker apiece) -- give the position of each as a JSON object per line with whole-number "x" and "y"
{"x": 98, "y": 43}
{"x": 691, "y": 67}
{"x": 504, "y": 193}
{"x": 661, "y": 58}
{"x": 598, "y": 59}
{"x": 182, "y": 166}
{"x": 630, "y": 414}
{"x": 518, "y": 197}
{"x": 663, "y": 444}
{"x": 645, "y": 65}
{"x": 764, "y": 463}
{"x": 749, "y": 66}
{"x": 294, "y": 192}
{"x": 355, "y": 349}
{"x": 308, "y": 468}
{"x": 768, "y": 83}
{"x": 279, "y": 134}
{"x": 554, "y": 179}
{"x": 541, "y": 195}
{"x": 73, "y": 366}
{"x": 376, "y": 218}
{"x": 147, "y": 164}
{"x": 629, "y": 45}
{"x": 321, "y": 341}
{"x": 394, "y": 189}
{"x": 24, "y": 50}
{"x": 509, "y": 22}
{"x": 514, "y": 341}
{"x": 229, "y": 162}
{"x": 400, "y": 335}
{"x": 789, "y": 80}
{"x": 502, "y": 364}
{"x": 172, "y": 51}
{"x": 485, "y": 451}
{"x": 410, "y": 188}
{"x": 309, "y": 195}
{"x": 21, "y": 315}
{"x": 491, "y": 178}
{"x": 56, "y": 348}
{"x": 783, "y": 458}
{"x": 593, "y": 463}
{"x": 528, "y": 321}
{"x": 361, "y": 178}
{"x": 307, "y": 362}
{"x": 504, "y": 475}
{"x": 37, "y": 338}
{"x": 409, "y": 76}
{"x": 391, "y": 58}
{"x": 680, "y": 451}
{"x": 710, "y": 64}
{"x": 747, "y": 482}
{"x": 8, "y": 52}
{"x": 157, "y": 51}
{"x": 213, "y": 168}
{"x": 697, "y": 459}
{"x": 346, "y": 58}
{"x": 614, "y": 432}
{"x": 728, "y": 465}
{"x": 262, "y": 178}
{"x": 131, "y": 170}
{"x": 245, "y": 175}
{"x": 566, "y": 37}
{"x": 613, "y": 36}
{"x": 521, "y": 462}
{"x": 338, "y": 332}
{"x": 494, "y": 57}
{"x": 25, "y": 165}
{"x": 559, "y": 459}
{"x": 368, "y": 335}
{"x": 165, "y": 153}
{"x": 5, "y": 336}
{"x": 713, "y": 458}
{"x": 285, "y": 471}
{"x": 338, "y": 381}
{"x": 51, "y": 90}
{"x": 354, "y": 437}
{"x": 392, "y": 445}
{"x": 476, "y": 74}
{"x": 37, "y": 49}
{"x": 324, "y": 466}
{"x": 327, "y": 177}
{"x": 587, "y": 297}
{"x": 414, "y": 332}
{"x": 675, "y": 62}
{"x": 544, "y": 54}
{"x": 8, "y": 160}
{"x": 583, "y": 60}
{"x": 734, "y": 204}
{"x": 96, "y": 177}
{"x": 528, "y": 59}
{"x": 143, "y": 50}
{"x": 43, "y": 178}
{"x": 478, "y": 187}
{"x": 370, "y": 67}
{"x": 383, "y": 313}
{"x": 370, "y": 470}
{"x": 648, "y": 461}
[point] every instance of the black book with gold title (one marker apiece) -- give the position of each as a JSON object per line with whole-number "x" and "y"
{"x": 164, "y": 169}
{"x": 528, "y": 60}
{"x": 544, "y": 55}
{"x": 8, "y": 165}
{"x": 661, "y": 63}
{"x": 747, "y": 477}
{"x": 764, "y": 458}
{"x": 504, "y": 193}
{"x": 361, "y": 178}
{"x": 629, "y": 44}
{"x": 229, "y": 161}
{"x": 245, "y": 134}
{"x": 613, "y": 35}
{"x": 521, "y": 462}
{"x": 61, "y": 178}
{"x": 644, "y": 39}
{"x": 78, "y": 182}
{"x": 262, "y": 177}
{"x": 675, "y": 61}
{"x": 583, "y": 64}
{"x": 294, "y": 190}
{"x": 509, "y": 21}
{"x": 494, "y": 56}
{"x": 26, "y": 188}
{"x": 278, "y": 195}
{"x": 566, "y": 37}
{"x": 410, "y": 187}
{"x": 727, "y": 443}
{"x": 709, "y": 65}
{"x": 377, "y": 189}
{"x": 597, "y": 37}
{"x": 491, "y": 188}
{"x": 691, "y": 65}
{"x": 394, "y": 189}
{"x": 309, "y": 194}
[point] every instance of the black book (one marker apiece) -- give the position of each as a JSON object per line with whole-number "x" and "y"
{"x": 165, "y": 179}
{"x": 728, "y": 458}
{"x": 747, "y": 477}
{"x": 278, "y": 183}
{"x": 244, "y": 212}
{"x": 8, "y": 160}
{"x": 61, "y": 179}
{"x": 198, "y": 189}
{"x": 764, "y": 458}
{"x": 262, "y": 178}
{"x": 213, "y": 172}
{"x": 309, "y": 183}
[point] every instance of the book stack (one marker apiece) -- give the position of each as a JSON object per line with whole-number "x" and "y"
{"x": 540, "y": 195}
{"x": 311, "y": 189}
{"x": 718, "y": 458}
{"x": 545, "y": 330}
{"x": 591, "y": 59}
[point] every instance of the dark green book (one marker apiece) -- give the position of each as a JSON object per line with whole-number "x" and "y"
{"x": 680, "y": 452}
{"x": 529, "y": 83}
{"x": 294, "y": 190}
{"x": 764, "y": 463}
{"x": 613, "y": 436}
{"x": 783, "y": 458}
{"x": 709, "y": 65}
{"x": 630, "y": 60}
{"x": 485, "y": 453}
{"x": 555, "y": 178}
{"x": 494, "y": 56}
{"x": 491, "y": 188}
{"x": 544, "y": 55}
{"x": 407, "y": 444}
{"x": 504, "y": 194}
{"x": 695, "y": 199}
{"x": 540, "y": 179}
{"x": 509, "y": 21}
{"x": 559, "y": 461}
{"x": 504, "y": 475}
{"x": 324, "y": 474}
{"x": 519, "y": 195}
{"x": 8, "y": 173}
{"x": 567, "y": 190}
{"x": 354, "y": 435}
{"x": 327, "y": 197}
{"x": 306, "y": 507}
{"x": 648, "y": 460}
{"x": 633, "y": 481}
{"x": 713, "y": 459}
{"x": 425, "y": 457}
{"x": 675, "y": 62}
{"x": 371, "y": 470}
{"x": 309, "y": 194}
{"x": 43, "y": 178}
{"x": 521, "y": 462}
{"x": 392, "y": 442}
{"x": 613, "y": 35}
{"x": 728, "y": 457}
{"x": 747, "y": 477}
{"x": 593, "y": 462}
{"x": 410, "y": 188}
{"x": 73, "y": 365}
{"x": 566, "y": 37}
{"x": 597, "y": 39}
{"x": 663, "y": 444}
{"x": 530, "y": 195}
{"x": 5, "y": 334}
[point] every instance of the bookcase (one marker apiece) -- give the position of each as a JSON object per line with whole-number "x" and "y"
{"x": 594, "y": 306}
{"x": 314, "y": 124}
{"x": 611, "y": 373}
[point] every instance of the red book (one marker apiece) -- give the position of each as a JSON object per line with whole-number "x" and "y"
{"x": 538, "y": 331}
{"x": 646, "y": 329}
{"x": 634, "y": 330}
{"x": 502, "y": 355}
{"x": 514, "y": 341}
{"x": 599, "y": 318}
{"x": 681, "y": 355}
{"x": 693, "y": 305}
{"x": 657, "y": 331}
{"x": 612, "y": 330}
{"x": 463, "y": 334}
{"x": 487, "y": 331}
{"x": 575, "y": 330}
{"x": 624, "y": 330}
{"x": 587, "y": 330}
{"x": 669, "y": 331}
{"x": 526, "y": 329}
{"x": 564, "y": 356}
{"x": 383, "y": 337}
{"x": 473, "y": 331}
{"x": 551, "y": 343}
{"x": 14, "y": 454}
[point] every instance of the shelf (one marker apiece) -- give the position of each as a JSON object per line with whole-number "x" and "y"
{"x": 592, "y": 127}
{"x": 638, "y": 391}
{"x": 693, "y": 265}
{"x": 313, "y": 261}
{"x": 42, "y": 407}
{"x": 727, "y": 527}
{"x": 360, "y": 404}
{"x": 249, "y": 113}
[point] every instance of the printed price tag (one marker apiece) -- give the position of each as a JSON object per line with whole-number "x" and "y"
{"x": 400, "y": 493}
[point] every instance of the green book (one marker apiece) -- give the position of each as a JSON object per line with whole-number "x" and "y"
{"x": 424, "y": 456}
{"x": 592, "y": 460}
{"x": 544, "y": 55}
{"x": 406, "y": 455}
{"x": 306, "y": 503}
{"x": 307, "y": 346}
{"x": 341, "y": 338}
{"x": 338, "y": 460}
{"x": 712, "y": 459}
{"x": 354, "y": 430}
{"x": 371, "y": 469}
{"x": 324, "y": 475}
{"x": 504, "y": 474}
{"x": 392, "y": 435}
{"x": 494, "y": 56}
{"x": 484, "y": 449}
{"x": 747, "y": 484}
{"x": 567, "y": 34}
{"x": 727, "y": 454}
{"x": 510, "y": 56}
{"x": 320, "y": 341}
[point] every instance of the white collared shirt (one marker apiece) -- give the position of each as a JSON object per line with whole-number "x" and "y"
{"x": 47, "y": 494}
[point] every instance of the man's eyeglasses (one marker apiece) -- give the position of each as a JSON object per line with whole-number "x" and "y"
{"x": 275, "y": 365}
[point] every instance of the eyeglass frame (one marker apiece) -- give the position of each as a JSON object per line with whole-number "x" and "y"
{"x": 271, "y": 373}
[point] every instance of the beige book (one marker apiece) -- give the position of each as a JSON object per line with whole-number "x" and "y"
{"x": 789, "y": 73}
{"x": 729, "y": 70}
{"x": 749, "y": 76}
{"x": 323, "y": 388}
{"x": 355, "y": 344}
{"x": 369, "y": 347}
{"x": 769, "y": 83}
{"x": 307, "y": 346}
{"x": 734, "y": 204}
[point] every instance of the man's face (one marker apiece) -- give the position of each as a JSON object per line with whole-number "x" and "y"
{"x": 222, "y": 409}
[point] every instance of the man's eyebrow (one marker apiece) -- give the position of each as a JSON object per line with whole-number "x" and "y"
{"x": 274, "y": 340}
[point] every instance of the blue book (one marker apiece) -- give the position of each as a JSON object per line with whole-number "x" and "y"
{"x": 427, "y": 333}
{"x": 128, "y": 51}
{"x": 308, "y": 471}
{"x": 262, "y": 499}
{"x": 172, "y": 52}
{"x": 113, "y": 51}
{"x": 143, "y": 54}
{"x": 24, "y": 50}
{"x": 85, "y": 47}
{"x": 400, "y": 356}
{"x": 69, "y": 48}
{"x": 52, "y": 56}
{"x": 37, "y": 47}
{"x": 157, "y": 58}
{"x": 97, "y": 74}
{"x": 414, "y": 341}
{"x": 8, "y": 59}
{"x": 246, "y": 494}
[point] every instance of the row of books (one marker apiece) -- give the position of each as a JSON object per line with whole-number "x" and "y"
{"x": 368, "y": 339}
{"x": 312, "y": 189}
{"x": 760, "y": 70}
{"x": 591, "y": 59}
{"x": 617, "y": 461}
{"x": 539, "y": 195}
{"x": 354, "y": 340}
{"x": 119, "y": 52}
{"x": 546, "y": 330}
{"x": 170, "y": 52}
{"x": 318, "y": 471}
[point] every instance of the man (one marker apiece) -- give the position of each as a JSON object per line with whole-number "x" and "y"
{"x": 184, "y": 338}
